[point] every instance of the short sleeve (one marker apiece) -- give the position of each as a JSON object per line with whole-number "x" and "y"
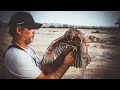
{"x": 21, "y": 65}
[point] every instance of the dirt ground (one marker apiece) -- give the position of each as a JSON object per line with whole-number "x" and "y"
{"x": 104, "y": 53}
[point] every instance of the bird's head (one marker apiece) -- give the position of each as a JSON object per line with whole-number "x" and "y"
{"x": 73, "y": 37}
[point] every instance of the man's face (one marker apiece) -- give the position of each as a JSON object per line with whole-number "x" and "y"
{"x": 27, "y": 35}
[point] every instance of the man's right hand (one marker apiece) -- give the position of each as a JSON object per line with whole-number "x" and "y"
{"x": 58, "y": 67}
{"x": 69, "y": 59}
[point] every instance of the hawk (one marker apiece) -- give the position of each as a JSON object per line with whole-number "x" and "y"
{"x": 54, "y": 55}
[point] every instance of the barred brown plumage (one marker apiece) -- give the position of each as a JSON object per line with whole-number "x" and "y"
{"x": 76, "y": 39}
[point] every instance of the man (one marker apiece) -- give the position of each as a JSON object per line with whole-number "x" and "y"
{"x": 20, "y": 59}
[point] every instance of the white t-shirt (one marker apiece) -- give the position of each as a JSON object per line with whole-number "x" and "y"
{"x": 19, "y": 64}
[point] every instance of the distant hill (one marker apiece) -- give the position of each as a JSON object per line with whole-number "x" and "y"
{"x": 57, "y": 25}
{"x": 50, "y": 24}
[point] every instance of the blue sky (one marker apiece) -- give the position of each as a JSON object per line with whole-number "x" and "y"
{"x": 85, "y": 18}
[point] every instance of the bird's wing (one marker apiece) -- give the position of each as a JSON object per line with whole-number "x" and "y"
{"x": 54, "y": 50}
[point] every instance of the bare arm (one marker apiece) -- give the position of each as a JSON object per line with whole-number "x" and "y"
{"x": 53, "y": 66}
{"x": 68, "y": 61}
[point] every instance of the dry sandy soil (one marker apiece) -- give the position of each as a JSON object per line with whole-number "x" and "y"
{"x": 105, "y": 53}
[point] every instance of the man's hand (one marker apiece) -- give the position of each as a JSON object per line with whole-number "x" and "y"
{"x": 69, "y": 59}
{"x": 58, "y": 67}
{"x": 65, "y": 58}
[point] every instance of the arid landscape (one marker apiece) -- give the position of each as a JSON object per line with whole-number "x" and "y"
{"x": 104, "y": 51}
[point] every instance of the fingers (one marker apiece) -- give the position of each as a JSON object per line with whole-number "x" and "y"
{"x": 70, "y": 53}
{"x": 69, "y": 59}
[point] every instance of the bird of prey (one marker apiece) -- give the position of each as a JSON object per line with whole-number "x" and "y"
{"x": 54, "y": 56}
